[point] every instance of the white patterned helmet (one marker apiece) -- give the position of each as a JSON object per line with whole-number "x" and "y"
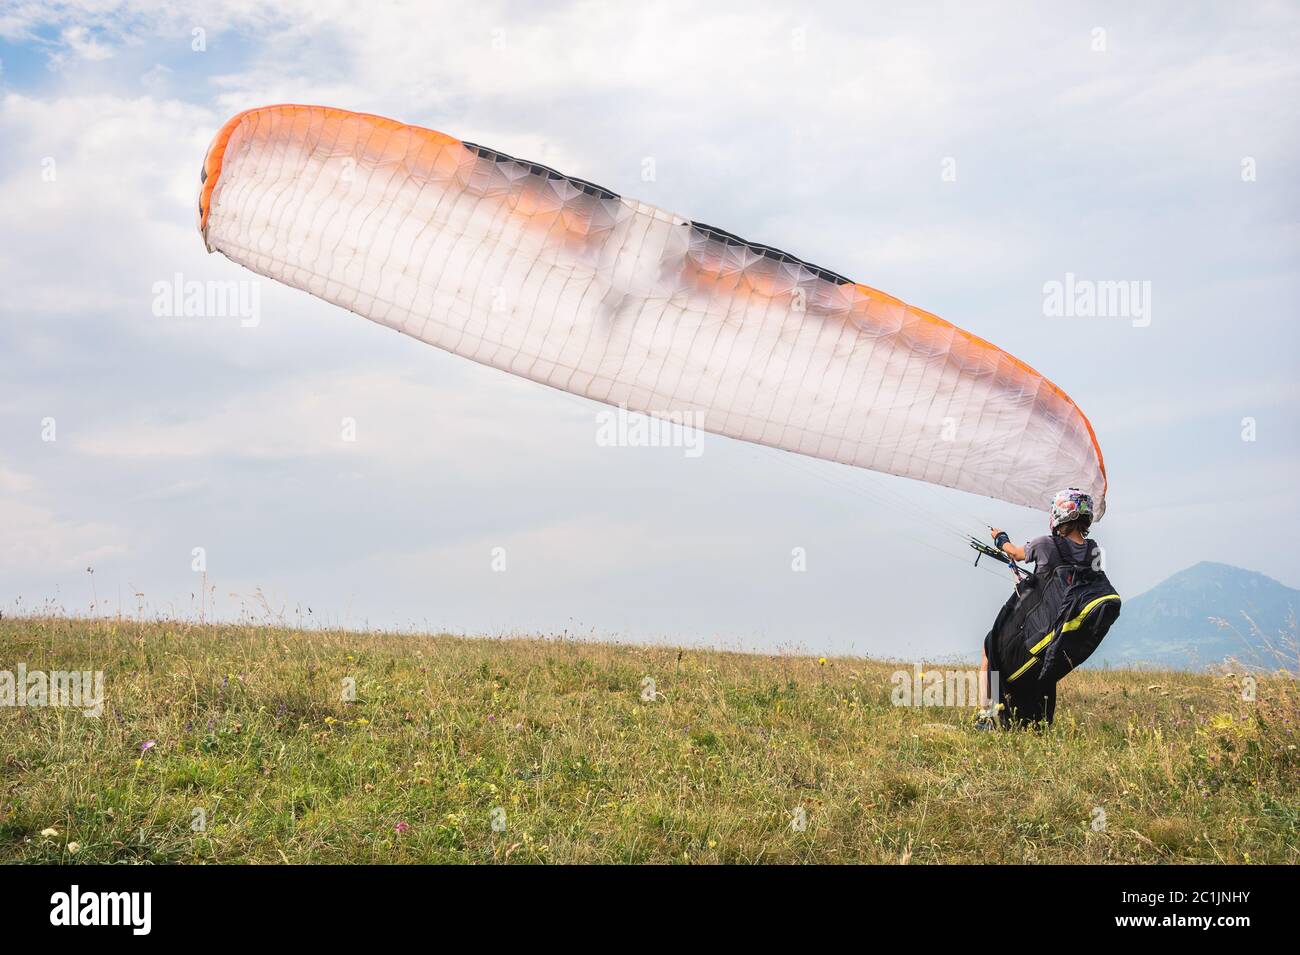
{"x": 1070, "y": 505}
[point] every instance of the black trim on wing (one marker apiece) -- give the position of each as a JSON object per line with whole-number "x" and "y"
{"x": 711, "y": 232}
{"x": 537, "y": 169}
{"x": 767, "y": 251}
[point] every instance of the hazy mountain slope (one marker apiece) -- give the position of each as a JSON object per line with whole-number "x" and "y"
{"x": 1202, "y": 615}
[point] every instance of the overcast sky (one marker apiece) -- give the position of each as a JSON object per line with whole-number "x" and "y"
{"x": 1155, "y": 145}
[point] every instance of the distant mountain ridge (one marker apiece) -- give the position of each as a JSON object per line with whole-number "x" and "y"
{"x": 1198, "y": 618}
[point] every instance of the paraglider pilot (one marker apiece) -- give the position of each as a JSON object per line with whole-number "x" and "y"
{"x": 1054, "y": 620}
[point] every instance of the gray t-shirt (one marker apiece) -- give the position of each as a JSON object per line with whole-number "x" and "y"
{"x": 1044, "y": 554}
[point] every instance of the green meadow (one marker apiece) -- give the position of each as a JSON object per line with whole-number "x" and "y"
{"x": 255, "y": 744}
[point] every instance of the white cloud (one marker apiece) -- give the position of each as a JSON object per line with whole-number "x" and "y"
{"x": 79, "y": 40}
{"x": 156, "y": 79}
{"x": 12, "y": 482}
{"x": 400, "y": 424}
{"x": 106, "y": 189}
{"x": 37, "y": 540}
{"x": 561, "y": 555}
{"x": 1149, "y": 411}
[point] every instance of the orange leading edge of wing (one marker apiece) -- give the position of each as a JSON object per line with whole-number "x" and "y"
{"x": 217, "y": 151}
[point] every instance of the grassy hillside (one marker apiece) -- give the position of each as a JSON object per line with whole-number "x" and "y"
{"x": 248, "y": 725}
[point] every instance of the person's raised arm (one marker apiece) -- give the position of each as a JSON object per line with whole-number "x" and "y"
{"x": 1003, "y": 543}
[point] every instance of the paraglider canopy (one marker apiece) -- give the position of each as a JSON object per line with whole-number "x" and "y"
{"x": 517, "y": 266}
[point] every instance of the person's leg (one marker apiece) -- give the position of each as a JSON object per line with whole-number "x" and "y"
{"x": 990, "y": 691}
{"x": 1024, "y": 708}
{"x": 992, "y": 664}
{"x": 986, "y": 698}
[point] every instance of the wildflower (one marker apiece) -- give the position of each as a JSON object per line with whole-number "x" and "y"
{"x": 821, "y": 661}
{"x": 51, "y": 832}
{"x": 148, "y": 745}
{"x": 74, "y": 848}
{"x": 401, "y": 827}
